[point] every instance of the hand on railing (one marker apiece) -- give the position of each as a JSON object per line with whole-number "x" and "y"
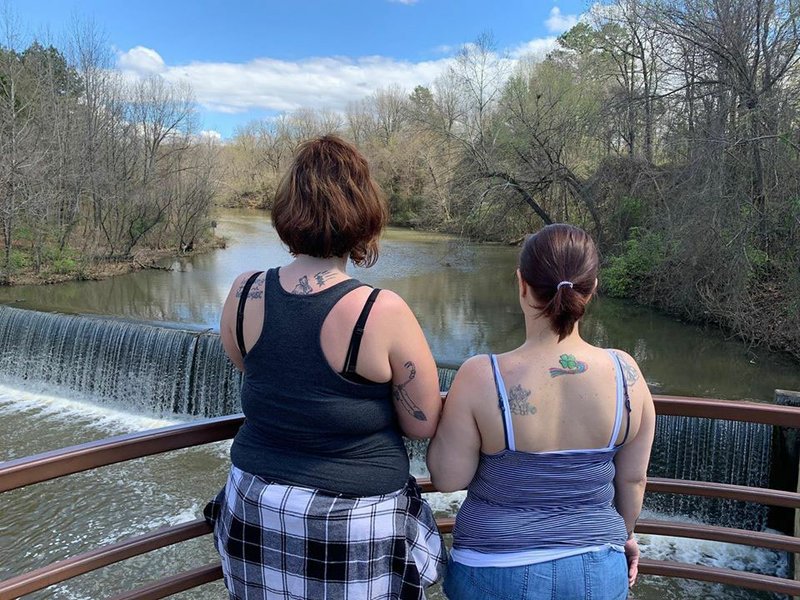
{"x": 632, "y": 556}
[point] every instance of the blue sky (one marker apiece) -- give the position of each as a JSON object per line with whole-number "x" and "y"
{"x": 249, "y": 59}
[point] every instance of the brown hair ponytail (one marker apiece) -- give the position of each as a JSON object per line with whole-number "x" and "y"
{"x": 560, "y": 264}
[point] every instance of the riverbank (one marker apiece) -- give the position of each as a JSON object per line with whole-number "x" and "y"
{"x": 100, "y": 268}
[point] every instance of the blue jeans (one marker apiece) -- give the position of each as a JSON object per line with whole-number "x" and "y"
{"x": 601, "y": 575}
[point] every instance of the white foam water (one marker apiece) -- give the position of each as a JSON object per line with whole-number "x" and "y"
{"x": 45, "y": 404}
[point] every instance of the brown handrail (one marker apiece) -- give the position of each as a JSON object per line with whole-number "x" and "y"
{"x": 729, "y": 410}
{"x": 174, "y": 584}
{"x": 100, "y": 557}
{"x": 83, "y": 457}
{"x": 753, "y": 581}
{"x": 745, "y": 537}
{"x": 730, "y": 491}
{"x": 197, "y": 577}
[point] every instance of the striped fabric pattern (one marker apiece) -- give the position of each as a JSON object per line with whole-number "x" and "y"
{"x": 556, "y": 500}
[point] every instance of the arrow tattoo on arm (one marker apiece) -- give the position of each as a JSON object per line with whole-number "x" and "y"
{"x": 403, "y": 399}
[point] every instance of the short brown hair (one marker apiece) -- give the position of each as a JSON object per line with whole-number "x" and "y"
{"x": 555, "y": 254}
{"x": 328, "y": 205}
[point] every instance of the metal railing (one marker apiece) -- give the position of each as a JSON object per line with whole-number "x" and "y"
{"x": 50, "y": 465}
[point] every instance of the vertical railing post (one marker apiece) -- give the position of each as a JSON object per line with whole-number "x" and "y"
{"x": 786, "y": 460}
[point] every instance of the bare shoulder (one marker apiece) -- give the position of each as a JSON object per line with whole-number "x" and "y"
{"x": 475, "y": 368}
{"x": 389, "y": 305}
{"x": 389, "y": 300}
{"x": 473, "y": 379}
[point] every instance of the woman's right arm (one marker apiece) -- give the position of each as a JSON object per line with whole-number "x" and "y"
{"x": 454, "y": 452}
{"x": 632, "y": 459}
{"x": 415, "y": 378}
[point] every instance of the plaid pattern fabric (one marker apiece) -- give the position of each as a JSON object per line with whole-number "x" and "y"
{"x": 279, "y": 541}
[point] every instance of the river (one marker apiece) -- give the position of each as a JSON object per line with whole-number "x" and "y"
{"x": 465, "y": 298}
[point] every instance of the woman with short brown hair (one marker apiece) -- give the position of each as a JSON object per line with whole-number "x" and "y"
{"x": 319, "y": 501}
{"x": 553, "y": 439}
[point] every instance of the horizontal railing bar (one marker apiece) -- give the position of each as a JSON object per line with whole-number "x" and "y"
{"x": 100, "y": 557}
{"x": 730, "y": 410}
{"x": 83, "y": 457}
{"x": 724, "y": 490}
{"x": 703, "y": 488}
{"x": 753, "y": 581}
{"x": 174, "y": 584}
{"x": 57, "y": 463}
{"x": 783, "y": 543}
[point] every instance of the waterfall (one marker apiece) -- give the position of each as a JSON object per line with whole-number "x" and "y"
{"x": 152, "y": 369}
{"x": 712, "y": 450}
{"x": 137, "y": 367}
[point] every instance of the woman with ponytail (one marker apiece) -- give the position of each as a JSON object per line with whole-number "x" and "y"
{"x": 552, "y": 441}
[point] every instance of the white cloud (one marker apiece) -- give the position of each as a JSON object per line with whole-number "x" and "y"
{"x": 406, "y": 2}
{"x": 269, "y": 84}
{"x": 538, "y": 47}
{"x": 559, "y": 23}
{"x": 211, "y": 134}
{"x": 141, "y": 60}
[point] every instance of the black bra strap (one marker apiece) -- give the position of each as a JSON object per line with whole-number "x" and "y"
{"x": 240, "y": 311}
{"x": 355, "y": 341}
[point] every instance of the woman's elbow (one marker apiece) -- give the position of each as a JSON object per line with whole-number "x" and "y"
{"x": 632, "y": 482}
{"x": 444, "y": 480}
{"x": 420, "y": 431}
{"x": 446, "y": 486}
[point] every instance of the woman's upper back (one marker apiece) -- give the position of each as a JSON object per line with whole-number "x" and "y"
{"x": 546, "y": 469}
{"x": 561, "y": 399}
{"x": 306, "y": 424}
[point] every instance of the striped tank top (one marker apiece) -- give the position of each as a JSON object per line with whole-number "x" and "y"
{"x": 528, "y": 507}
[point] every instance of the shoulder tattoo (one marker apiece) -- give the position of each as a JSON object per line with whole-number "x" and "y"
{"x": 628, "y": 370}
{"x": 518, "y": 401}
{"x": 256, "y": 290}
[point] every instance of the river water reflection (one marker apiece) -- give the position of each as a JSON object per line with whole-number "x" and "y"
{"x": 463, "y": 294}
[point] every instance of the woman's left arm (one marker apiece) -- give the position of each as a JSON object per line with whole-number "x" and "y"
{"x": 454, "y": 451}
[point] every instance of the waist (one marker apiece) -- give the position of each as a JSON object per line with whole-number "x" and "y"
{"x": 366, "y": 467}
{"x": 494, "y": 528}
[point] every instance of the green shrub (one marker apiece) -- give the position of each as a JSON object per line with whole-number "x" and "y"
{"x": 64, "y": 265}
{"x": 625, "y": 273}
{"x": 20, "y": 260}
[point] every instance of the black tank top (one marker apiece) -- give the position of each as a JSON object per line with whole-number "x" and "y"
{"x": 305, "y": 423}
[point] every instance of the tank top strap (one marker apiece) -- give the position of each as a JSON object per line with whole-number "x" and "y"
{"x": 623, "y": 402}
{"x": 502, "y": 399}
